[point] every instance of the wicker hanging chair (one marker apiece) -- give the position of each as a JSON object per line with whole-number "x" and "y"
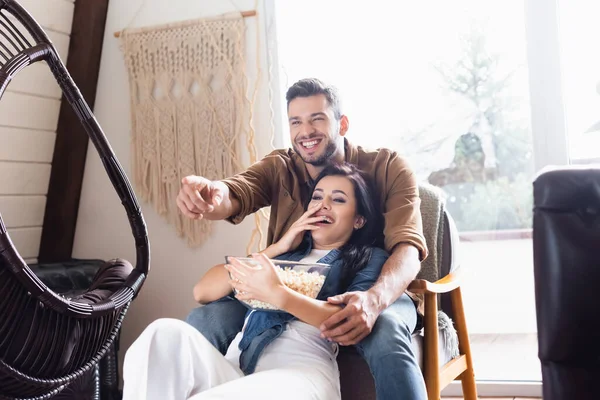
{"x": 48, "y": 340}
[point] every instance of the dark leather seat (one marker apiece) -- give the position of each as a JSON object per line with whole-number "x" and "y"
{"x": 73, "y": 278}
{"x": 566, "y": 239}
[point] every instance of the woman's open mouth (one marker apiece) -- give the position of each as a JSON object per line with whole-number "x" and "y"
{"x": 325, "y": 221}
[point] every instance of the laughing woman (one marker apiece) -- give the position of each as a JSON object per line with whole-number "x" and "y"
{"x": 277, "y": 354}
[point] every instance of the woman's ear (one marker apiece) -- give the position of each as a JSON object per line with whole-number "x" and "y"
{"x": 360, "y": 222}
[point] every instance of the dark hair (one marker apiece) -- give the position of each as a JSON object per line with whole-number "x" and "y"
{"x": 356, "y": 253}
{"x": 313, "y": 87}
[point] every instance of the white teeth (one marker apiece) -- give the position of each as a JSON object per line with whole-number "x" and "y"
{"x": 311, "y": 144}
{"x": 328, "y": 220}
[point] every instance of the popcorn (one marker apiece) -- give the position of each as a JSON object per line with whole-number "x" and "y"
{"x": 306, "y": 283}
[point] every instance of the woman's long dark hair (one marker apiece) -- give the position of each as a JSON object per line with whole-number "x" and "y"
{"x": 356, "y": 253}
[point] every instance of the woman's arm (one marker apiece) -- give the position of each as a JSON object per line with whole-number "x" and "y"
{"x": 313, "y": 312}
{"x": 262, "y": 283}
{"x": 363, "y": 280}
{"x": 293, "y": 237}
{"x": 273, "y": 251}
{"x": 213, "y": 285}
{"x": 306, "y": 309}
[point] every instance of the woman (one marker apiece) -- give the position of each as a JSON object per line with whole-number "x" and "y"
{"x": 277, "y": 354}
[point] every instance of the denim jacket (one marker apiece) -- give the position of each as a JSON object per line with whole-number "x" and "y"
{"x": 263, "y": 327}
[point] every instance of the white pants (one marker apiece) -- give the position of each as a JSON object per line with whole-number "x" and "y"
{"x": 171, "y": 360}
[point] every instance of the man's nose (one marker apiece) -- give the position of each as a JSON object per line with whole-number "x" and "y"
{"x": 307, "y": 128}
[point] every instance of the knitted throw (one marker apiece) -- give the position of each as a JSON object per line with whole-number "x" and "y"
{"x": 432, "y": 212}
{"x": 188, "y": 109}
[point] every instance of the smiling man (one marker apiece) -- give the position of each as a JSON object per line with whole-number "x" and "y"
{"x": 380, "y": 321}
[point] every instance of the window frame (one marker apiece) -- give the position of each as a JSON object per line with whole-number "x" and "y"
{"x": 548, "y": 125}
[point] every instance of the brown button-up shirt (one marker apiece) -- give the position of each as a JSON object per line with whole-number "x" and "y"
{"x": 280, "y": 180}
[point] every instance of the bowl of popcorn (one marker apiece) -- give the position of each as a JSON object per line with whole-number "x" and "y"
{"x": 304, "y": 278}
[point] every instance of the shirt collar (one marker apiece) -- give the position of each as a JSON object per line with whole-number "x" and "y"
{"x": 350, "y": 153}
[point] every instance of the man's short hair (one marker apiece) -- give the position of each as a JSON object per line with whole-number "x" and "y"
{"x": 314, "y": 87}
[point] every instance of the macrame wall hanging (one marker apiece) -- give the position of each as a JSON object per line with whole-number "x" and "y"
{"x": 188, "y": 110}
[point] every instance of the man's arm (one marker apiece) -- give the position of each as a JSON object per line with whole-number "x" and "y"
{"x": 232, "y": 198}
{"x": 229, "y": 206}
{"x": 403, "y": 232}
{"x": 397, "y": 273}
{"x": 201, "y": 198}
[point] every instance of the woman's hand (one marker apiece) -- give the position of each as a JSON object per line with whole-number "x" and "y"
{"x": 260, "y": 283}
{"x": 293, "y": 237}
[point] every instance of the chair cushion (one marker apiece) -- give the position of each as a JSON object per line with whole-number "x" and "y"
{"x": 75, "y": 278}
{"x": 69, "y": 276}
{"x": 45, "y": 331}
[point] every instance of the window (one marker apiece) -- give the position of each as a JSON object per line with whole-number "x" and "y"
{"x": 479, "y": 96}
{"x": 578, "y": 37}
{"x": 447, "y": 89}
{"x": 446, "y": 84}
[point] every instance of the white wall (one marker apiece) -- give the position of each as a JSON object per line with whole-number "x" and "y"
{"x": 102, "y": 228}
{"x": 28, "y": 118}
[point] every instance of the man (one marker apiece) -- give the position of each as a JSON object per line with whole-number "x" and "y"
{"x": 379, "y": 322}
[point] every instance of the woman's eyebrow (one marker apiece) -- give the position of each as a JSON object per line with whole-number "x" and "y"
{"x": 340, "y": 191}
{"x": 333, "y": 191}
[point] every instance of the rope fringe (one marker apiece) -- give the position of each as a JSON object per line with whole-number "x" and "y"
{"x": 189, "y": 108}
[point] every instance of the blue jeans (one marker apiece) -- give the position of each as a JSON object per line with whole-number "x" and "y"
{"x": 387, "y": 350}
{"x": 389, "y": 354}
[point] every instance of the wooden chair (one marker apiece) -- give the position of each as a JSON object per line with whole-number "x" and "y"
{"x": 442, "y": 296}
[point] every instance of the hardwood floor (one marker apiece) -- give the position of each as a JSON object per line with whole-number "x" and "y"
{"x": 495, "y": 398}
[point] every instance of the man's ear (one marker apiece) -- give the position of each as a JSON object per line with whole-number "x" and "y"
{"x": 344, "y": 125}
{"x": 360, "y": 222}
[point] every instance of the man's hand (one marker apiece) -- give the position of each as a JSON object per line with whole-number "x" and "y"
{"x": 198, "y": 196}
{"x": 354, "y": 322}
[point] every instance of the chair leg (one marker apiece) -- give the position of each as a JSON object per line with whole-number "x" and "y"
{"x": 469, "y": 386}
{"x": 431, "y": 361}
